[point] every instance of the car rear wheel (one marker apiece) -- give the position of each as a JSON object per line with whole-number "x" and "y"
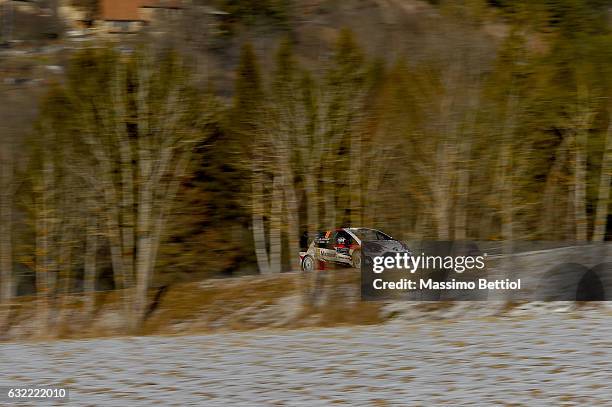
{"x": 308, "y": 263}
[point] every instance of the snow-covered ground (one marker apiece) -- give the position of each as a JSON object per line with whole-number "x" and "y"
{"x": 544, "y": 359}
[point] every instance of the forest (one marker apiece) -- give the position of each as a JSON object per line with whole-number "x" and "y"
{"x": 136, "y": 169}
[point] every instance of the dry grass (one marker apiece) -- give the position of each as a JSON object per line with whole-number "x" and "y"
{"x": 244, "y": 303}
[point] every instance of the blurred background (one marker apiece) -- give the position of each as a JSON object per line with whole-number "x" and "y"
{"x": 147, "y": 146}
{"x": 164, "y": 162}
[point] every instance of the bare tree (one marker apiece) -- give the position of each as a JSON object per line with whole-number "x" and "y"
{"x": 7, "y": 189}
{"x": 137, "y": 141}
{"x": 16, "y": 115}
{"x": 583, "y": 119}
{"x": 603, "y": 198}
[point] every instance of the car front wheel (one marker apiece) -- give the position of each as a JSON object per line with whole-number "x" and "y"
{"x": 308, "y": 263}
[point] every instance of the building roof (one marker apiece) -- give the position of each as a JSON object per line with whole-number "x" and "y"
{"x": 129, "y": 10}
{"x": 121, "y": 10}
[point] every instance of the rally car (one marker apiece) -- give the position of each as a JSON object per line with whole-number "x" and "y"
{"x": 343, "y": 247}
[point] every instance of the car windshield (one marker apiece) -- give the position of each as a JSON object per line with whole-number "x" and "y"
{"x": 367, "y": 235}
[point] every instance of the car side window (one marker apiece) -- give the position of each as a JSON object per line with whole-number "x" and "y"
{"x": 381, "y": 236}
{"x": 333, "y": 240}
{"x": 321, "y": 241}
{"x": 342, "y": 237}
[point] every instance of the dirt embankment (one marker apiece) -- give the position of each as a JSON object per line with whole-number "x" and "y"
{"x": 277, "y": 301}
{"x": 283, "y": 301}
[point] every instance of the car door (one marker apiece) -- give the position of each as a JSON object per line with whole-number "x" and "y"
{"x": 342, "y": 242}
{"x": 324, "y": 247}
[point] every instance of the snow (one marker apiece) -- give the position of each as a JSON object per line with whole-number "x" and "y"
{"x": 551, "y": 358}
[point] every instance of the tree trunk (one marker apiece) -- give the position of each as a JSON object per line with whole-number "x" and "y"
{"x": 506, "y": 194}
{"x": 257, "y": 211}
{"x": 275, "y": 225}
{"x": 166, "y": 204}
{"x": 506, "y": 186}
{"x": 113, "y": 221}
{"x": 144, "y": 247}
{"x": 89, "y": 278}
{"x": 580, "y": 185}
{"x": 143, "y": 253}
{"x": 6, "y": 220}
{"x": 441, "y": 213}
{"x": 551, "y": 212}
{"x": 116, "y": 255}
{"x": 603, "y": 198}
{"x": 355, "y": 193}
{"x": 293, "y": 233}
{"x": 43, "y": 244}
{"x": 329, "y": 188}
{"x": 64, "y": 272}
{"x": 312, "y": 201}
{"x": 441, "y": 186}
{"x": 309, "y": 283}
{"x": 127, "y": 211}
{"x": 292, "y": 215}
{"x": 42, "y": 288}
{"x": 463, "y": 183}
{"x": 6, "y": 243}
{"x": 441, "y": 208}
